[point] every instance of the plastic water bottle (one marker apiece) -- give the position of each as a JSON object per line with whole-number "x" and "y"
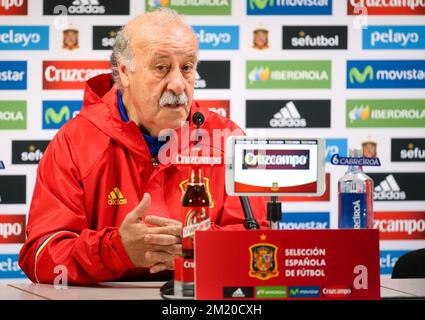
{"x": 355, "y": 197}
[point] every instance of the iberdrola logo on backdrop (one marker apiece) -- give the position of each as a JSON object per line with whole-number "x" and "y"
{"x": 159, "y": 3}
{"x": 259, "y": 74}
{"x": 356, "y": 76}
{"x": 192, "y": 7}
{"x": 359, "y": 113}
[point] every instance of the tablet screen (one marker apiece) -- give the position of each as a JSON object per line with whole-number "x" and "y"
{"x": 276, "y": 166}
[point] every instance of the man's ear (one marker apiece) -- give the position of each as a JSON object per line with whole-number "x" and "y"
{"x": 124, "y": 75}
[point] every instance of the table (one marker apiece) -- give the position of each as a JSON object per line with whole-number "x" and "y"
{"x": 390, "y": 289}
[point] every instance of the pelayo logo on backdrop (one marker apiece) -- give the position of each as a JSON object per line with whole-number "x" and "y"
{"x": 9, "y": 267}
{"x": 288, "y": 74}
{"x": 289, "y": 7}
{"x": 13, "y": 75}
{"x": 388, "y": 259}
{"x": 24, "y": 38}
{"x": 193, "y": 7}
{"x": 57, "y": 113}
{"x": 397, "y": 74}
{"x": 335, "y": 146}
{"x": 394, "y": 37}
{"x": 217, "y": 37}
{"x": 385, "y": 113}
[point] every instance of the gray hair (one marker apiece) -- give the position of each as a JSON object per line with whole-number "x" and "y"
{"x": 121, "y": 51}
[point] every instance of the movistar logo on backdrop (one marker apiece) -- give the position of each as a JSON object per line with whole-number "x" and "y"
{"x": 57, "y": 113}
{"x": 289, "y": 7}
{"x": 276, "y": 74}
{"x": 192, "y": 7}
{"x": 386, "y": 113}
{"x": 398, "y": 74}
{"x": 360, "y": 77}
{"x": 217, "y": 37}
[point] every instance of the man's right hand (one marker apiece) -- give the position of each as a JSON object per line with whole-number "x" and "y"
{"x": 150, "y": 247}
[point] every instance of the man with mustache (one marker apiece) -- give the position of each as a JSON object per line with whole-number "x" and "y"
{"x": 104, "y": 206}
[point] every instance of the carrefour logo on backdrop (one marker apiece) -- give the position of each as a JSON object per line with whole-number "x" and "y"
{"x": 365, "y": 74}
{"x": 24, "y": 38}
{"x": 217, "y": 37}
{"x": 57, "y": 113}
{"x": 394, "y": 37}
{"x": 289, "y": 7}
{"x": 388, "y": 259}
{"x": 13, "y": 75}
{"x": 335, "y": 146}
{"x": 9, "y": 267}
{"x": 304, "y": 220}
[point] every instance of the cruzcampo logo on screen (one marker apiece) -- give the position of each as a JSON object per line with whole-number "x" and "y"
{"x": 193, "y": 7}
{"x": 288, "y": 74}
{"x": 386, "y": 113}
{"x": 13, "y": 115}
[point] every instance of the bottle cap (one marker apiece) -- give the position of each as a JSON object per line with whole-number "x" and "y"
{"x": 355, "y": 153}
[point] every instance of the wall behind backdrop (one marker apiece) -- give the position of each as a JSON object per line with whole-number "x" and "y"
{"x": 284, "y": 68}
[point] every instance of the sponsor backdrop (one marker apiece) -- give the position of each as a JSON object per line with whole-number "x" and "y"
{"x": 352, "y": 71}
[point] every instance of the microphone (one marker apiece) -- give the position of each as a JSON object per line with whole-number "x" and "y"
{"x": 250, "y": 223}
{"x": 198, "y": 119}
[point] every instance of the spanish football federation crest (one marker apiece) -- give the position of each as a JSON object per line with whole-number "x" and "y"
{"x": 369, "y": 149}
{"x": 70, "y": 39}
{"x": 261, "y": 39}
{"x": 183, "y": 185}
{"x": 263, "y": 261}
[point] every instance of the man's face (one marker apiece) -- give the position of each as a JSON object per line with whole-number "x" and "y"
{"x": 165, "y": 63}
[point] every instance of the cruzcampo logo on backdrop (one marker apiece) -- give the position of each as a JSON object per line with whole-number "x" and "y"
{"x": 388, "y": 113}
{"x": 13, "y": 115}
{"x": 193, "y": 7}
{"x": 288, "y": 74}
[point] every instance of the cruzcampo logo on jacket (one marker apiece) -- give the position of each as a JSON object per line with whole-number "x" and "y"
{"x": 204, "y": 8}
{"x": 288, "y": 74}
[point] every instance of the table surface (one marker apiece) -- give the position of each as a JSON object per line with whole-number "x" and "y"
{"x": 390, "y": 288}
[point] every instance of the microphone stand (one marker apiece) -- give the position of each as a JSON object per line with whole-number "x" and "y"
{"x": 250, "y": 223}
{"x": 274, "y": 212}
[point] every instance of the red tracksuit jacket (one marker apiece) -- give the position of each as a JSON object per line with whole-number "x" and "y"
{"x": 95, "y": 171}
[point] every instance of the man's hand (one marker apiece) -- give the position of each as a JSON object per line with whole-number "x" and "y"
{"x": 152, "y": 247}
